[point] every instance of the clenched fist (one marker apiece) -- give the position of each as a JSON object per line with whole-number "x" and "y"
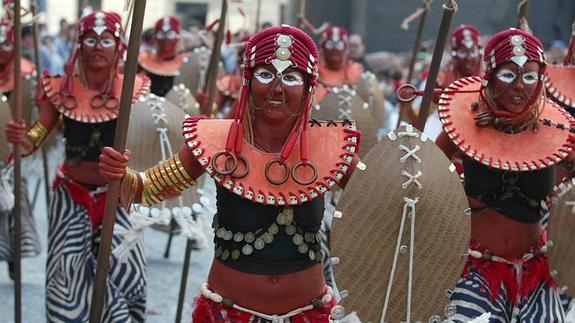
{"x": 113, "y": 164}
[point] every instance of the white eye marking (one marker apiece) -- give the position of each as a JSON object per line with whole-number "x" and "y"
{"x": 530, "y": 77}
{"x": 292, "y": 79}
{"x": 506, "y": 76}
{"x": 263, "y": 75}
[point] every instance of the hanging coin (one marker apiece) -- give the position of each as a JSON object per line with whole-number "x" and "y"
{"x": 238, "y": 237}
{"x": 309, "y": 237}
{"x": 247, "y": 250}
{"x": 302, "y": 248}
{"x": 259, "y": 244}
{"x": 218, "y": 252}
{"x": 297, "y": 239}
{"x": 228, "y": 235}
{"x": 268, "y": 237}
{"x": 235, "y": 254}
{"x": 225, "y": 254}
{"x": 250, "y": 237}
{"x": 290, "y": 230}
{"x": 273, "y": 229}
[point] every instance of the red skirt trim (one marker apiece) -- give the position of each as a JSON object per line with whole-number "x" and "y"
{"x": 533, "y": 272}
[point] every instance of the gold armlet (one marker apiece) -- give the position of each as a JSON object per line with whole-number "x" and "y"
{"x": 36, "y": 136}
{"x": 130, "y": 187}
{"x": 164, "y": 181}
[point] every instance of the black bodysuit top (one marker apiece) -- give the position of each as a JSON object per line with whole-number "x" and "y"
{"x": 161, "y": 85}
{"x": 265, "y": 239}
{"x": 84, "y": 141}
{"x": 517, "y": 195}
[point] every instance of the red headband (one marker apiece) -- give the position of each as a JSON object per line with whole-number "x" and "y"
{"x": 465, "y": 36}
{"x": 168, "y": 23}
{"x": 335, "y": 34}
{"x": 512, "y": 45}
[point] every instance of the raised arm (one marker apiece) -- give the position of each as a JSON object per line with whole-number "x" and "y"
{"x": 166, "y": 180}
{"x": 31, "y": 139}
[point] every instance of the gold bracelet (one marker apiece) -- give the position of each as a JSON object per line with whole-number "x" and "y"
{"x": 164, "y": 181}
{"x": 129, "y": 187}
{"x": 36, "y": 136}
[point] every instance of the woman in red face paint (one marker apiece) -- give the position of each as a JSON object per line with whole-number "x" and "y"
{"x": 511, "y": 138}
{"x": 30, "y": 241}
{"x": 271, "y": 166}
{"x": 88, "y": 102}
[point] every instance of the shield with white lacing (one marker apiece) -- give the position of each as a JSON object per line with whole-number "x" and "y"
{"x": 361, "y": 102}
{"x": 400, "y": 232}
{"x": 154, "y": 135}
{"x": 183, "y": 98}
{"x": 561, "y": 231}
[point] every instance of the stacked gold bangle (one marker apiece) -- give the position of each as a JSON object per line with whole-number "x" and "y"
{"x": 36, "y": 136}
{"x": 164, "y": 181}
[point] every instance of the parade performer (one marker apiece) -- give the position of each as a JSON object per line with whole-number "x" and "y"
{"x": 30, "y": 240}
{"x": 163, "y": 65}
{"x": 512, "y": 139}
{"x": 465, "y": 61}
{"x": 88, "y": 102}
{"x": 272, "y": 165}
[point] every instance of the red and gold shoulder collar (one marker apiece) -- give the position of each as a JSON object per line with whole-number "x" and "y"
{"x": 27, "y": 70}
{"x": 524, "y": 151}
{"x": 152, "y": 64}
{"x": 83, "y": 111}
{"x": 560, "y": 84}
{"x": 332, "y": 150}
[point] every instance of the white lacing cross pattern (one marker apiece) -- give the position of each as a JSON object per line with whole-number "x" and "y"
{"x": 412, "y": 179}
{"x": 410, "y": 153}
{"x": 408, "y": 210}
{"x": 408, "y": 132}
{"x": 344, "y": 113}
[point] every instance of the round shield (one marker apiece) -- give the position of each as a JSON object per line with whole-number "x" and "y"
{"x": 559, "y": 83}
{"x": 362, "y": 102}
{"x": 183, "y": 98}
{"x": 561, "y": 231}
{"x": 194, "y": 70}
{"x": 400, "y": 231}
{"x": 155, "y": 134}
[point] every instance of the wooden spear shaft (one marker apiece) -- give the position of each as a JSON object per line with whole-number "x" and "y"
{"x": 213, "y": 66}
{"x": 448, "y": 9}
{"x": 112, "y": 197}
{"x": 17, "y": 115}
{"x": 258, "y": 10}
{"x": 522, "y": 9}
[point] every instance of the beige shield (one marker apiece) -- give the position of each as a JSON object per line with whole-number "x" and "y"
{"x": 182, "y": 97}
{"x": 362, "y": 102}
{"x": 155, "y": 134}
{"x": 561, "y": 232}
{"x": 400, "y": 232}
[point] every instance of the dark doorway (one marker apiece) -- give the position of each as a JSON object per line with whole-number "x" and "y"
{"x": 192, "y": 14}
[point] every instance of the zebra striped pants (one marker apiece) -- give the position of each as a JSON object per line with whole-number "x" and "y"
{"x": 72, "y": 249}
{"x": 472, "y": 297}
{"x": 30, "y": 243}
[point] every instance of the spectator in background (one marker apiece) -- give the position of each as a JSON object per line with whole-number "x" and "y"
{"x": 357, "y": 51}
{"x": 56, "y": 62}
{"x": 63, "y": 40}
{"x": 147, "y": 41}
{"x": 28, "y": 49}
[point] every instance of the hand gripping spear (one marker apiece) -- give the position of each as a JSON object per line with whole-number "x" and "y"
{"x": 17, "y": 115}
{"x": 422, "y": 14}
{"x": 213, "y": 66}
{"x": 119, "y": 145}
{"x": 449, "y": 8}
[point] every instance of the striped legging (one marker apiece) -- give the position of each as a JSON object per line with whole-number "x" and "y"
{"x": 72, "y": 249}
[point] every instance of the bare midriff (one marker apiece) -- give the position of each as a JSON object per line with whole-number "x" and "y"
{"x": 501, "y": 235}
{"x": 267, "y": 294}
{"x": 84, "y": 172}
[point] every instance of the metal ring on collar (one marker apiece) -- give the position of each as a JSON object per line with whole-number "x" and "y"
{"x": 241, "y": 159}
{"x": 281, "y": 162}
{"x": 302, "y": 163}
{"x": 226, "y": 171}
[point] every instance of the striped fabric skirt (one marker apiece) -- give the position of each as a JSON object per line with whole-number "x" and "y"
{"x": 520, "y": 292}
{"x": 71, "y": 266}
{"x": 30, "y": 245}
